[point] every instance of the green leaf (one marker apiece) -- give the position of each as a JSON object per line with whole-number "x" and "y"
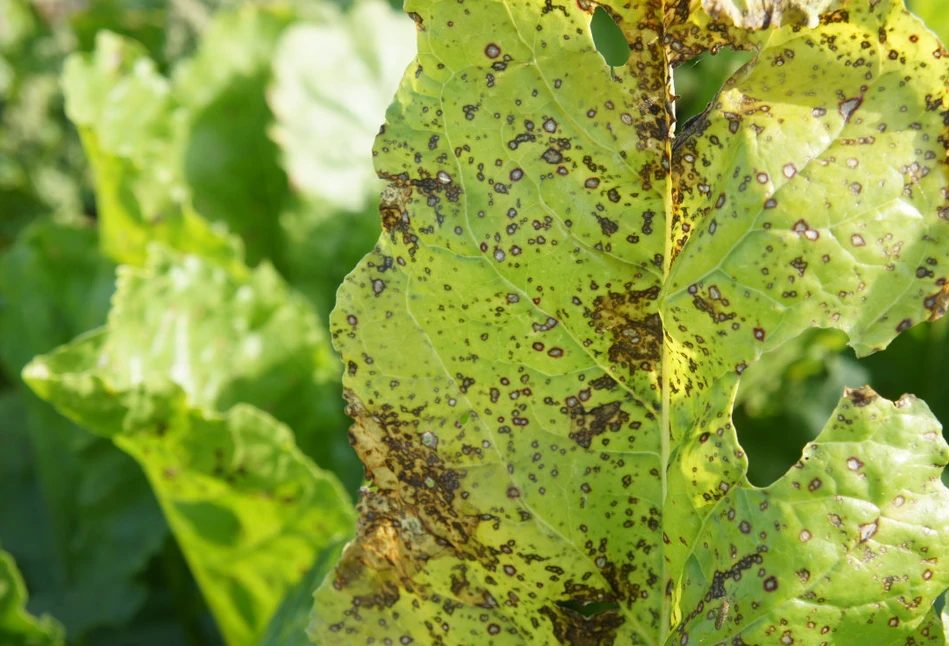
{"x": 186, "y": 340}
{"x": 164, "y": 151}
{"x": 76, "y": 512}
{"x": 230, "y": 162}
{"x": 17, "y": 627}
{"x": 134, "y": 139}
{"x": 67, "y": 292}
{"x": 288, "y": 626}
{"x": 332, "y": 82}
{"x": 229, "y": 336}
{"x": 544, "y": 349}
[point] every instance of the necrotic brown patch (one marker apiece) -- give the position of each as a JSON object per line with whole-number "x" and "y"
{"x": 635, "y": 331}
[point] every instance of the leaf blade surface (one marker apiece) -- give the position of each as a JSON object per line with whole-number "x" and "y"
{"x": 544, "y": 348}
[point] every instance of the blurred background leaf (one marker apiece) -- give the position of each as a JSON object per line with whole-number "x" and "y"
{"x": 18, "y": 627}
{"x": 171, "y": 100}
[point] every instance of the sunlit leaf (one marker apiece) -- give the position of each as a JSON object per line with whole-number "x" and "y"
{"x": 332, "y": 82}
{"x": 543, "y": 351}
{"x": 288, "y": 625}
{"x": 164, "y": 151}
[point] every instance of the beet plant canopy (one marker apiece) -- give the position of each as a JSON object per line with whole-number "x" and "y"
{"x": 544, "y": 348}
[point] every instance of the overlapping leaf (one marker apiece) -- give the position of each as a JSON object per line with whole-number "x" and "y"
{"x": 164, "y": 151}
{"x": 186, "y": 339}
{"x": 543, "y": 351}
{"x": 75, "y": 511}
{"x": 288, "y": 625}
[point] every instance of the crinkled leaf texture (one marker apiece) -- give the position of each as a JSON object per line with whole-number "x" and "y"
{"x": 185, "y": 340}
{"x": 17, "y": 627}
{"x": 543, "y": 350}
{"x": 332, "y": 81}
{"x": 165, "y": 150}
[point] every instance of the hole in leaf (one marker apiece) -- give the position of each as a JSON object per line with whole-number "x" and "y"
{"x": 917, "y": 362}
{"x": 609, "y": 39}
{"x": 699, "y": 80}
{"x": 587, "y": 609}
{"x": 785, "y": 399}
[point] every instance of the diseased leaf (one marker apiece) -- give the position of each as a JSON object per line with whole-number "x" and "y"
{"x": 544, "y": 349}
{"x": 332, "y": 82}
{"x": 17, "y": 627}
{"x": 759, "y": 14}
{"x": 930, "y": 631}
{"x": 186, "y": 338}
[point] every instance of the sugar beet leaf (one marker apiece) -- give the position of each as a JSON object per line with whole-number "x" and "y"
{"x": 544, "y": 348}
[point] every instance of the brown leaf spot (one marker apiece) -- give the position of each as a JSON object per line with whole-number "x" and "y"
{"x": 588, "y": 424}
{"x": 860, "y": 397}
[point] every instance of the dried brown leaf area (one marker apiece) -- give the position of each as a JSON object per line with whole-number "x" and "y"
{"x": 544, "y": 348}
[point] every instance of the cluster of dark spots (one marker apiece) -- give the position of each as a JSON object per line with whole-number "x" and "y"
{"x": 469, "y": 111}
{"x": 719, "y": 580}
{"x": 799, "y": 265}
{"x": 861, "y": 397}
{"x": 571, "y": 627}
{"x": 587, "y": 424}
{"x": 647, "y": 221}
{"x": 607, "y": 226}
{"x": 414, "y": 514}
{"x": 937, "y": 303}
{"x": 803, "y": 229}
{"x": 635, "y": 330}
{"x": 714, "y": 304}
{"x": 604, "y": 383}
